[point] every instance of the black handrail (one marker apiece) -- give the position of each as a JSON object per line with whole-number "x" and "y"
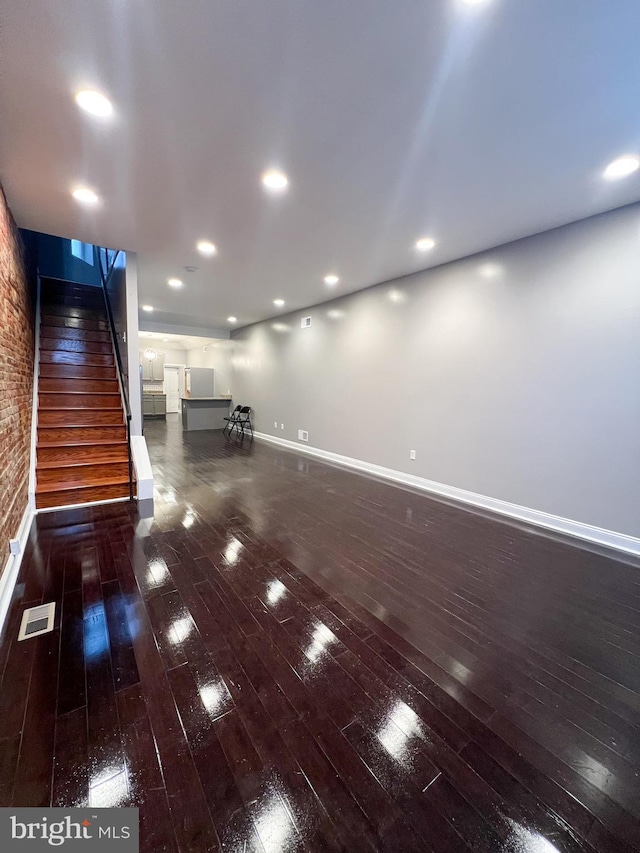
{"x": 104, "y": 278}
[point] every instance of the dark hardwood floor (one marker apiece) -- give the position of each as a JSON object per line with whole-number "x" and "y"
{"x": 294, "y": 657}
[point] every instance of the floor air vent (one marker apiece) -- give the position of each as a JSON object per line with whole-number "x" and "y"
{"x": 37, "y": 620}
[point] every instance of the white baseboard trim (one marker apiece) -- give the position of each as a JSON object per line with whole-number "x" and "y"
{"x": 608, "y": 538}
{"x": 12, "y": 566}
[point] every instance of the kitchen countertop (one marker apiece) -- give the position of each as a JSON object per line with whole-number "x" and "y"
{"x": 223, "y": 399}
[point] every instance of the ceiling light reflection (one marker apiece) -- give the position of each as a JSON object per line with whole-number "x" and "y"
{"x": 157, "y": 572}
{"x": 273, "y": 823}
{"x": 215, "y": 698}
{"x": 108, "y": 788}
{"x": 523, "y": 840}
{"x": 400, "y": 727}
{"x": 321, "y": 639}
{"x": 180, "y": 630}
{"x": 275, "y": 591}
{"x": 232, "y": 550}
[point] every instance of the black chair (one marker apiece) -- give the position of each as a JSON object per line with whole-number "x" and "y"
{"x": 232, "y": 419}
{"x": 243, "y": 423}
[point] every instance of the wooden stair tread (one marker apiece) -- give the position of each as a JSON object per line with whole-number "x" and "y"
{"x": 100, "y": 442}
{"x": 78, "y": 408}
{"x": 47, "y": 466}
{"x": 89, "y": 484}
{"x": 82, "y": 495}
{"x": 84, "y": 393}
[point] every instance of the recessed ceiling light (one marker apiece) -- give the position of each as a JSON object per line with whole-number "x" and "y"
{"x": 622, "y": 166}
{"x": 274, "y": 180}
{"x": 278, "y": 302}
{"x": 85, "y": 195}
{"x": 425, "y": 244}
{"x": 206, "y": 248}
{"x": 165, "y": 340}
{"x": 331, "y": 280}
{"x": 473, "y": 2}
{"x": 232, "y": 319}
{"x": 147, "y": 308}
{"x": 174, "y": 282}
{"x": 93, "y": 102}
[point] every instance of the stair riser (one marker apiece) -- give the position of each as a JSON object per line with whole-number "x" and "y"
{"x": 78, "y": 401}
{"x": 48, "y": 357}
{"x": 54, "y": 289}
{"x": 91, "y": 301}
{"x": 71, "y": 435}
{"x": 67, "y": 334}
{"x": 74, "y": 323}
{"x": 77, "y": 313}
{"x": 80, "y": 417}
{"x": 68, "y": 345}
{"x": 76, "y": 371}
{"x": 80, "y": 477}
{"x": 78, "y": 496}
{"x": 81, "y": 455}
{"x": 82, "y": 386}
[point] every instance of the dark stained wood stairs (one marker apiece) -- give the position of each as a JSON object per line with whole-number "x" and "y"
{"x": 81, "y": 453}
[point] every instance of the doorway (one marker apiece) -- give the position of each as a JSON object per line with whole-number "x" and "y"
{"x": 172, "y": 388}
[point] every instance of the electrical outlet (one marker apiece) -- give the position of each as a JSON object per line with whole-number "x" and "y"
{"x": 412, "y": 454}
{"x": 275, "y": 423}
{"x": 303, "y": 435}
{"x": 281, "y": 426}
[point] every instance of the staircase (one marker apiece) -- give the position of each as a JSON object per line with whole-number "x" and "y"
{"x": 82, "y": 452}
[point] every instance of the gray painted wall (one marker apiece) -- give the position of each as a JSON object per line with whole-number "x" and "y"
{"x": 514, "y": 374}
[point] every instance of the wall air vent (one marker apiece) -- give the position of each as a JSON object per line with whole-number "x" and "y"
{"x": 37, "y": 620}
{"x": 303, "y": 435}
{"x": 305, "y": 322}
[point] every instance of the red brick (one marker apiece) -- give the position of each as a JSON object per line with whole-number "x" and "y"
{"x": 16, "y": 380}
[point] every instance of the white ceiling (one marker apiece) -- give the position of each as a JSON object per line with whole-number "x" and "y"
{"x": 178, "y": 342}
{"x": 475, "y": 124}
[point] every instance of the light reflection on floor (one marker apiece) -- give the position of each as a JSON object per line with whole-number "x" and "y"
{"x": 523, "y": 840}
{"x": 109, "y": 788}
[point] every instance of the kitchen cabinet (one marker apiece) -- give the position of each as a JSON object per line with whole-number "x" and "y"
{"x": 154, "y": 405}
{"x": 152, "y": 368}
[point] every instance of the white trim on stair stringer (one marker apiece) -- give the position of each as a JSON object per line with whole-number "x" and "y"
{"x": 12, "y": 566}
{"x": 577, "y": 529}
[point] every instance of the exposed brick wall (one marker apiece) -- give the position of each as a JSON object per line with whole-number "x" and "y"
{"x": 16, "y": 380}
